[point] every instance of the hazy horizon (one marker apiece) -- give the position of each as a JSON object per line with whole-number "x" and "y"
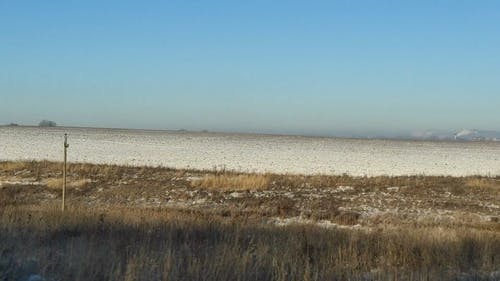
{"x": 403, "y": 135}
{"x": 325, "y": 68}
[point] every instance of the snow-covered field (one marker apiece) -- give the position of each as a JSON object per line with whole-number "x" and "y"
{"x": 252, "y": 153}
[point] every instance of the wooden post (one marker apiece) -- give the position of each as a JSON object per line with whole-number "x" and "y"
{"x": 66, "y": 145}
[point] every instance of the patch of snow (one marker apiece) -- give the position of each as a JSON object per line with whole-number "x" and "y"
{"x": 322, "y": 223}
{"x": 35, "y": 277}
{"x": 193, "y": 178}
{"x": 344, "y": 188}
{"x": 19, "y": 182}
{"x": 237, "y": 194}
{"x": 199, "y": 201}
{"x": 495, "y": 275}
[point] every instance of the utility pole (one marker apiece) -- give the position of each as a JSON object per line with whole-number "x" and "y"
{"x": 66, "y": 145}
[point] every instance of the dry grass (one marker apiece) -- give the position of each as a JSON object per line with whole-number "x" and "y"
{"x": 366, "y": 201}
{"x": 13, "y": 165}
{"x": 233, "y": 182}
{"x": 56, "y": 183}
{"x": 141, "y": 244}
{"x": 114, "y": 230}
{"x": 485, "y": 183}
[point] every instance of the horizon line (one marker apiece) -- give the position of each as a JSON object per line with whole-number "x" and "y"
{"x": 400, "y": 137}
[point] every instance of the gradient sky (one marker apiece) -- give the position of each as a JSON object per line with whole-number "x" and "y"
{"x": 309, "y": 67}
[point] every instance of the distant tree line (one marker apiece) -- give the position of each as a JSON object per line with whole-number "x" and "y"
{"x": 47, "y": 123}
{"x": 43, "y": 123}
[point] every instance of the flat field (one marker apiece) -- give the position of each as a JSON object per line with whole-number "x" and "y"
{"x": 154, "y": 223}
{"x": 252, "y": 153}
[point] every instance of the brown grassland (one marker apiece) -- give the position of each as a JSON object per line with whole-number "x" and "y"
{"x": 151, "y": 223}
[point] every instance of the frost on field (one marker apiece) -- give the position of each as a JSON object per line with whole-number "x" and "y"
{"x": 253, "y": 153}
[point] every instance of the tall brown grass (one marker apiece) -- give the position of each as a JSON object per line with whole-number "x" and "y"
{"x": 233, "y": 182}
{"x": 141, "y": 244}
{"x": 89, "y": 170}
{"x": 13, "y": 165}
{"x": 227, "y": 179}
{"x": 112, "y": 242}
{"x": 56, "y": 183}
{"x": 484, "y": 183}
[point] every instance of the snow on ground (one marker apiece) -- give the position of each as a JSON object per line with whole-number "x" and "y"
{"x": 321, "y": 223}
{"x": 252, "y": 153}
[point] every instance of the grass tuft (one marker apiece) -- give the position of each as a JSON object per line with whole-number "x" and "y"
{"x": 13, "y": 165}
{"x": 484, "y": 183}
{"x": 233, "y": 182}
{"x": 56, "y": 183}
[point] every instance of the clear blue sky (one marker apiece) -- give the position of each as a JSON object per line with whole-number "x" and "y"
{"x": 312, "y": 67}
